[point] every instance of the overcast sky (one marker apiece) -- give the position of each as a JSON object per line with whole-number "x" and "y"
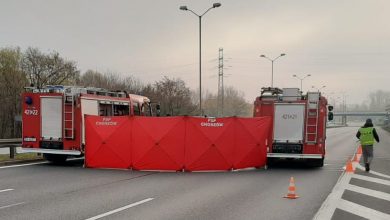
{"x": 343, "y": 44}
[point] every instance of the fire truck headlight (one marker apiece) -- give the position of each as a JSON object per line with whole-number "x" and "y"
{"x": 28, "y": 100}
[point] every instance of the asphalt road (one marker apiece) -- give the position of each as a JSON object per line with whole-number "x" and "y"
{"x": 45, "y": 191}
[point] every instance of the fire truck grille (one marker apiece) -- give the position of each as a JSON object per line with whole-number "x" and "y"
{"x": 52, "y": 145}
{"x": 287, "y": 148}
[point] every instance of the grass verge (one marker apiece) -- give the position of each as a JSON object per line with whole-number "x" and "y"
{"x": 20, "y": 157}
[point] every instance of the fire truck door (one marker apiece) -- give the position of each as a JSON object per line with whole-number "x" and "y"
{"x": 88, "y": 107}
{"x": 51, "y": 117}
{"x": 289, "y": 122}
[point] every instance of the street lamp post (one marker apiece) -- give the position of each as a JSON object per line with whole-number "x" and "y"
{"x": 272, "y": 61}
{"x": 184, "y": 8}
{"x": 301, "y": 78}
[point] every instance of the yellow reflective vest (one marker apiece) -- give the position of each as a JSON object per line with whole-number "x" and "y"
{"x": 366, "y": 136}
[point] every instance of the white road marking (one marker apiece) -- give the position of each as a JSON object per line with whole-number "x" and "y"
{"x": 12, "y": 205}
{"x": 120, "y": 209}
{"x": 5, "y": 190}
{"x": 31, "y": 164}
{"x": 371, "y": 179}
{"x": 372, "y": 172}
{"x": 362, "y": 211}
{"x": 329, "y": 206}
{"x": 334, "y": 199}
{"x": 23, "y": 165}
{"x": 369, "y": 192}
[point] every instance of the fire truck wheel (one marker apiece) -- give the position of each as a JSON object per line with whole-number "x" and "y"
{"x": 316, "y": 162}
{"x": 270, "y": 162}
{"x": 55, "y": 158}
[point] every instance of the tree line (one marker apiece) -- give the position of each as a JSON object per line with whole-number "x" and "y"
{"x": 32, "y": 67}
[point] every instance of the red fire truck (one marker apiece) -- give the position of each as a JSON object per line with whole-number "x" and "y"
{"x": 298, "y": 128}
{"x": 53, "y": 116}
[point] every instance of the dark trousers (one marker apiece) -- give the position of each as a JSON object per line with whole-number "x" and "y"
{"x": 368, "y": 153}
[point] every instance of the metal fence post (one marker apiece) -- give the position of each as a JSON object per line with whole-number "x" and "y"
{"x": 12, "y": 150}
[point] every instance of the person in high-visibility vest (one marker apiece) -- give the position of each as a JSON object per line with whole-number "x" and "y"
{"x": 367, "y": 136}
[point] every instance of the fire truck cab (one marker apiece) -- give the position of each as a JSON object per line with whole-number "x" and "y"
{"x": 53, "y": 116}
{"x": 298, "y": 128}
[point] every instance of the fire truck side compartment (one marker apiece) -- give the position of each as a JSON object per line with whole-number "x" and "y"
{"x": 289, "y": 122}
{"x": 51, "y": 118}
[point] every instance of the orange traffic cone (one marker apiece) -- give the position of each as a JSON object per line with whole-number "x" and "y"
{"x": 359, "y": 151}
{"x": 291, "y": 190}
{"x": 349, "y": 168}
{"x": 356, "y": 158}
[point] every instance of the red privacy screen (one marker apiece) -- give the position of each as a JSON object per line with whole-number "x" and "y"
{"x": 176, "y": 143}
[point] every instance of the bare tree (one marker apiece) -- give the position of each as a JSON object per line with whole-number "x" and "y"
{"x": 379, "y": 100}
{"x": 111, "y": 81}
{"x": 210, "y": 104}
{"x": 92, "y": 79}
{"x": 235, "y": 104}
{"x": 174, "y": 97}
{"x": 12, "y": 81}
{"x": 48, "y": 69}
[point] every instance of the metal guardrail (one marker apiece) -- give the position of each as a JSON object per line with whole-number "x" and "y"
{"x": 360, "y": 113}
{"x": 12, "y": 144}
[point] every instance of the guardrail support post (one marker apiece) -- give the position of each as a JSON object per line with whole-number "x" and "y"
{"x": 12, "y": 150}
{"x": 11, "y": 144}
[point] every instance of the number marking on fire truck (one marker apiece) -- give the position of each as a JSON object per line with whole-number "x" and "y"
{"x": 31, "y": 112}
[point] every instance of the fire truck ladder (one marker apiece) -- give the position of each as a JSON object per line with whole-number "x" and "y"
{"x": 69, "y": 116}
{"x": 312, "y": 118}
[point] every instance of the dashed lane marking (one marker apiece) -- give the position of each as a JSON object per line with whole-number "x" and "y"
{"x": 5, "y": 190}
{"x": 120, "y": 209}
{"x": 362, "y": 210}
{"x": 23, "y": 165}
{"x": 12, "y": 205}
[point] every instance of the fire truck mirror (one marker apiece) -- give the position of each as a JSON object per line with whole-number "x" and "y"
{"x": 330, "y": 113}
{"x": 158, "y": 112}
{"x": 330, "y": 116}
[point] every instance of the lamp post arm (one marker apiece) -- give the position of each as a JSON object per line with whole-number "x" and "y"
{"x": 277, "y": 57}
{"x": 268, "y": 58}
{"x": 206, "y": 11}
{"x": 194, "y": 13}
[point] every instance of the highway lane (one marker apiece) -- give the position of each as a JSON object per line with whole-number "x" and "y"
{"x": 71, "y": 192}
